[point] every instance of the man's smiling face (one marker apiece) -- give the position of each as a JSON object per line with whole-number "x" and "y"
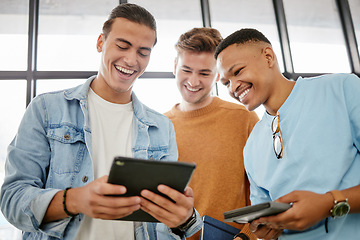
{"x": 244, "y": 70}
{"x": 195, "y": 76}
{"x": 125, "y": 56}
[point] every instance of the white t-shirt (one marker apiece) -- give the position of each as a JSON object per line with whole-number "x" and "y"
{"x": 111, "y": 130}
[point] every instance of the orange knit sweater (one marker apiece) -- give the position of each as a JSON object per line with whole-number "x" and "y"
{"x": 214, "y": 137}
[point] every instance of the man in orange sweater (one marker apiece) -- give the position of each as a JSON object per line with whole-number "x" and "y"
{"x": 219, "y": 182}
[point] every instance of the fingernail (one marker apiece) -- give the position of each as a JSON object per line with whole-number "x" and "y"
{"x": 122, "y": 189}
{"x": 144, "y": 193}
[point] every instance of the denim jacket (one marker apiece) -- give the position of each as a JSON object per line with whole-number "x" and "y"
{"x": 52, "y": 151}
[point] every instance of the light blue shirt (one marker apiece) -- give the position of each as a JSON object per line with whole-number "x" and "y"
{"x": 52, "y": 151}
{"x": 320, "y": 126}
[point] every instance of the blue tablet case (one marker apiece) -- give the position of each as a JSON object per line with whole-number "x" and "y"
{"x": 214, "y": 229}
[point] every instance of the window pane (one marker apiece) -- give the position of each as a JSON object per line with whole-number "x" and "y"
{"x": 12, "y": 97}
{"x": 228, "y": 16}
{"x": 355, "y": 10}
{"x": 68, "y": 31}
{"x": 316, "y": 38}
{"x": 158, "y": 94}
{"x": 13, "y": 93}
{"x": 173, "y": 18}
{"x": 46, "y": 85}
{"x": 13, "y": 34}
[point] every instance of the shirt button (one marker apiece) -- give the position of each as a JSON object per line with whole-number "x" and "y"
{"x": 85, "y": 179}
{"x": 67, "y": 137}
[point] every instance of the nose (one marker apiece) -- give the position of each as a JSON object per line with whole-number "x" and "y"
{"x": 231, "y": 86}
{"x": 131, "y": 58}
{"x": 193, "y": 80}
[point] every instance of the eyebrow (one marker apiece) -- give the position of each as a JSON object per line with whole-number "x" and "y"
{"x": 201, "y": 70}
{"x": 231, "y": 68}
{"x": 205, "y": 70}
{"x": 229, "y": 71}
{"x": 130, "y": 44}
{"x": 236, "y": 65}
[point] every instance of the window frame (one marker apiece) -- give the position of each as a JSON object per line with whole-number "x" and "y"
{"x": 32, "y": 74}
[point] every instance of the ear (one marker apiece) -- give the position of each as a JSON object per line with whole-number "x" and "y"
{"x": 217, "y": 77}
{"x": 175, "y": 65}
{"x": 100, "y": 42}
{"x": 270, "y": 56}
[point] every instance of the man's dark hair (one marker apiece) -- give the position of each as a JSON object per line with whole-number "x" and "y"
{"x": 131, "y": 12}
{"x": 241, "y": 36}
{"x": 199, "y": 40}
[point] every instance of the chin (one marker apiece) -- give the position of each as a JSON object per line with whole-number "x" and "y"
{"x": 251, "y": 107}
{"x": 191, "y": 98}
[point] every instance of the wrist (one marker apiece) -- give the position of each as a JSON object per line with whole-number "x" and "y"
{"x": 341, "y": 207}
{"x": 68, "y": 203}
{"x": 242, "y": 236}
{"x": 329, "y": 204}
{"x": 185, "y": 226}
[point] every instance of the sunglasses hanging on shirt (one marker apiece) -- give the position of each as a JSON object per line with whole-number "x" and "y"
{"x": 277, "y": 138}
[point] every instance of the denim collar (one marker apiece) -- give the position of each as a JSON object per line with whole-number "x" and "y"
{"x": 141, "y": 112}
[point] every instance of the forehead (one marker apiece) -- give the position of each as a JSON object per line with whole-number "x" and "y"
{"x": 135, "y": 33}
{"x": 205, "y": 58}
{"x": 239, "y": 50}
{"x": 237, "y": 54}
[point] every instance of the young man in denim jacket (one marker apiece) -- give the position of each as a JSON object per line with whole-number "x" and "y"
{"x": 67, "y": 140}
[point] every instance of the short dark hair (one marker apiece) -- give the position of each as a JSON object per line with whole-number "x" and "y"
{"x": 131, "y": 12}
{"x": 199, "y": 40}
{"x": 241, "y": 36}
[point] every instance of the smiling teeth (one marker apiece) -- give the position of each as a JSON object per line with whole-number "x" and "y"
{"x": 192, "y": 89}
{"x": 243, "y": 94}
{"x": 124, "y": 70}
